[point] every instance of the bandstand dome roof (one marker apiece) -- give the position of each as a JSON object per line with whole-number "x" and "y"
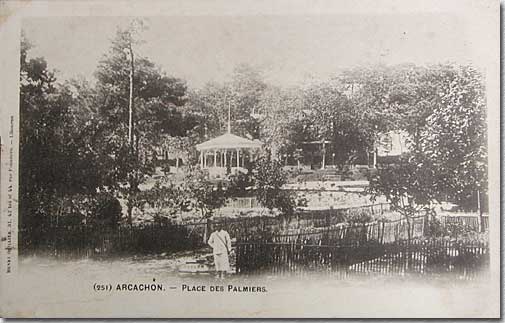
{"x": 228, "y": 141}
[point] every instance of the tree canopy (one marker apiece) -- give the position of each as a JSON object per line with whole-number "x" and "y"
{"x": 74, "y": 138}
{"x": 448, "y": 155}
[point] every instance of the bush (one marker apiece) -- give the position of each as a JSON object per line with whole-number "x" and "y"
{"x": 455, "y": 230}
{"x": 435, "y": 228}
{"x": 241, "y": 185}
{"x": 360, "y": 217}
{"x": 458, "y": 231}
{"x": 107, "y": 210}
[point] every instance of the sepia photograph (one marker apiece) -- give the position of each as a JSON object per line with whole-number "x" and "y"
{"x": 217, "y": 161}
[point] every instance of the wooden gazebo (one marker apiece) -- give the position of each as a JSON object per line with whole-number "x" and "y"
{"x": 227, "y": 150}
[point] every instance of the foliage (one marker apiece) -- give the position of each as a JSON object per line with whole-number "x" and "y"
{"x": 155, "y": 98}
{"x": 435, "y": 228}
{"x": 401, "y": 97}
{"x": 281, "y": 120}
{"x": 455, "y": 140}
{"x": 54, "y": 161}
{"x": 241, "y": 184}
{"x": 74, "y": 142}
{"x": 360, "y": 217}
{"x": 446, "y": 122}
{"x": 269, "y": 178}
{"x": 106, "y": 210}
{"x": 332, "y": 116}
{"x": 209, "y": 105}
{"x": 176, "y": 146}
{"x": 392, "y": 97}
{"x": 457, "y": 231}
{"x": 407, "y": 185}
{"x": 247, "y": 87}
{"x": 166, "y": 199}
{"x": 203, "y": 194}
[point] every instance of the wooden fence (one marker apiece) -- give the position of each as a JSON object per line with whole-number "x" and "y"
{"x": 87, "y": 241}
{"x": 252, "y": 226}
{"x": 243, "y": 203}
{"x": 356, "y": 233}
{"x": 471, "y": 221}
{"x": 420, "y": 257}
{"x": 317, "y": 227}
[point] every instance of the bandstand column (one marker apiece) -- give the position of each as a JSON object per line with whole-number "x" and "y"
{"x": 238, "y": 158}
{"x": 215, "y": 159}
{"x": 201, "y": 158}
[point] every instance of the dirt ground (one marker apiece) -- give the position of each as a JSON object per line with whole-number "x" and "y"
{"x": 48, "y": 288}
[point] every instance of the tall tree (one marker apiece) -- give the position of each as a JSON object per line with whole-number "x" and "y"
{"x": 335, "y": 122}
{"x": 397, "y": 98}
{"x": 408, "y": 185}
{"x": 448, "y": 158}
{"x": 203, "y": 195}
{"x": 281, "y": 120}
{"x": 455, "y": 136}
{"x": 268, "y": 178}
{"x": 240, "y": 95}
{"x": 209, "y": 108}
{"x": 155, "y": 98}
{"x": 55, "y": 166}
{"x": 246, "y": 88}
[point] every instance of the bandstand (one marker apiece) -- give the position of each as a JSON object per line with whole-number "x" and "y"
{"x": 227, "y": 151}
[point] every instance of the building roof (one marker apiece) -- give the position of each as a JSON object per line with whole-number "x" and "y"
{"x": 228, "y": 141}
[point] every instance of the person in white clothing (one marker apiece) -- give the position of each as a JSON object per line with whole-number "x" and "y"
{"x": 220, "y": 242}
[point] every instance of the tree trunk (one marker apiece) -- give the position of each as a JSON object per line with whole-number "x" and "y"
{"x": 206, "y": 231}
{"x": 408, "y": 230}
{"x": 409, "y": 254}
{"x": 481, "y": 217}
{"x": 60, "y": 210}
{"x": 375, "y": 158}
{"x": 284, "y": 223}
{"x": 426, "y": 221}
{"x": 130, "y": 204}
{"x": 129, "y": 213}
{"x": 130, "y": 100}
{"x": 323, "y": 162}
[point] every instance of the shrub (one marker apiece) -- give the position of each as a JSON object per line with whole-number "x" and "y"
{"x": 107, "y": 210}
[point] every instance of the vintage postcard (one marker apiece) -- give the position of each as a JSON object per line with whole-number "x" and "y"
{"x": 250, "y": 159}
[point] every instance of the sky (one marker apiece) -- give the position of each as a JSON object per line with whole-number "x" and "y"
{"x": 288, "y": 49}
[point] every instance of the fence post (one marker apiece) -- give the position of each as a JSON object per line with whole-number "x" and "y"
{"x": 425, "y": 224}
{"x": 208, "y": 223}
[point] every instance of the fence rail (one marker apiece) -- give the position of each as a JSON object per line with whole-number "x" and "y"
{"x": 87, "y": 241}
{"x": 243, "y": 203}
{"x": 471, "y": 221}
{"x": 250, "y": 226}
{"x": 317, "y": 227}
{"x": 420, "y": 257}
{"x": 379, "y": 231}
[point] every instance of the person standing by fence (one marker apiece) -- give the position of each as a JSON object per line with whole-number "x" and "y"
{"x": 220, "y": 242}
